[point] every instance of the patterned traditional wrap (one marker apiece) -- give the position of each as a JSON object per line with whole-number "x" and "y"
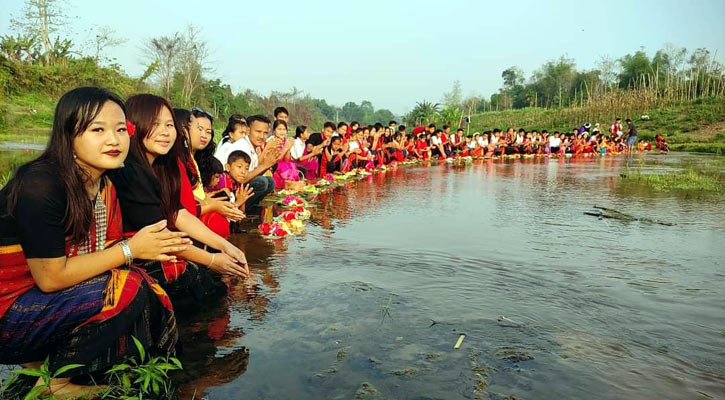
{"x": 89, "y": 323}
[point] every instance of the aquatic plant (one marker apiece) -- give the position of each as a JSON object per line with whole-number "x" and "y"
{"x": 385, "y": 310}
{"x": 688, "y": 180}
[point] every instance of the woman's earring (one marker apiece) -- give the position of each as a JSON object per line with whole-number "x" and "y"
{"x": 74, "y": 156}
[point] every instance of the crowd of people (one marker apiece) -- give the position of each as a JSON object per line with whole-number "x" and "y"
{"x": 123, "y": 221}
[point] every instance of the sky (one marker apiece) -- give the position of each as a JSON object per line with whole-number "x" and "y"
{"x": 393, "y": 53}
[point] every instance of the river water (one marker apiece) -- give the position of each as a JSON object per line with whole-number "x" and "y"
{"x": 554, "y": 304}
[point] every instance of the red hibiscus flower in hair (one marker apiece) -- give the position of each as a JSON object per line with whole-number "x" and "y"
{"x": 131, "y": 128}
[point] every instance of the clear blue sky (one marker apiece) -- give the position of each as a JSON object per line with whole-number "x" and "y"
{"x": 395, "y": 53}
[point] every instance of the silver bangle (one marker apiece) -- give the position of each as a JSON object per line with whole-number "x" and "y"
{"x": 127, "y": 256}
{"x": 211, "y": 263}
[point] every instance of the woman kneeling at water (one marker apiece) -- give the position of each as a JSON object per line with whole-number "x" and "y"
{"x": 68, "y": 289}
{"x": 149, "y": 188}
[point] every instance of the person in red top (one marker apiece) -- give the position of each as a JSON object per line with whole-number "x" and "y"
{"x": 457, "y": 142}
{"x": 445, "y": 137}
{"x": 422, "y": 149}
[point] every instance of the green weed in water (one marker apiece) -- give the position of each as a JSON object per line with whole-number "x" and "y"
{"x": 689, "y": 180}
{"x": 385, "y": 310}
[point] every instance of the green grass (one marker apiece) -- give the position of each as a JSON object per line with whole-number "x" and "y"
{"x": 27, "y": 115}
{"x": 686, "y": 181}
{"x": 700, "y": 147}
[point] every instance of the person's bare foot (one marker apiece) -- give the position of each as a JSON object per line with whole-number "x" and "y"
{"x": 32, "y": 365}
{"x": 62, "y": 388}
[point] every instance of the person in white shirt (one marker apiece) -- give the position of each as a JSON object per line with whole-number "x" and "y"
{"x": 555, "y": 142}
{"x": 236, "y": 130}
{"x": 260, "y": 160}
{"x": 303, "y": 155}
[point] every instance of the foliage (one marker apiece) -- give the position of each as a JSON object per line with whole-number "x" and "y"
{"x": 670, "y": 75}
{"x": 423, "y": 113}
{"x": 142, "y": 378}
{"x": 135, "y": 379}
{"x": 41, "y": 391}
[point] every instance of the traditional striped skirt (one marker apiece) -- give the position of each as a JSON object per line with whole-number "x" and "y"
{"x": 91, "y": 323}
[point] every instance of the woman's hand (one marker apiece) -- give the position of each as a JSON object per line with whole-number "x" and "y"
{"x": 229, "y": 210}
{"x": 227, "y": 265}
{"x": 243, "y": 194}
{"x": 155, "y": 242}
{"x": 235, "y": 253}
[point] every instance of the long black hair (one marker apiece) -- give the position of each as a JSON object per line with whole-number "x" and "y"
{"x": 73, "y": 114}
{"x": 142, "y": 110}
{"x": 183, "y": 117}
{"x": 204, "y": 157}
{"x": 234, "y": 120}
{"x": 300, "y": 130}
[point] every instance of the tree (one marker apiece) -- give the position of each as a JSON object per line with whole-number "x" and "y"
{"x": 41, "y": 18}
{"x": 555, "y": 80}
{"x": 191, "y": 63}
{"x": 383, "y": 115}
{"x": 608, "y": 71}
{"x": 454, "y": 97}
{"x": 512, "y": 77}
{"x": 164, "y": 50}
{"x": 635, "y": 68}
{"x": 699, "y": 60}
{"x": 105, "y": 38}
{"x": 423, "y": 112}
{"x": 19, "y": 48}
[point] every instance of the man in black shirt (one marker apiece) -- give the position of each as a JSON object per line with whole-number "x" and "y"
{"x": 322, "y": 137}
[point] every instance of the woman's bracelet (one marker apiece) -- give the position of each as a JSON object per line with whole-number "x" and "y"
{"x": 211, "y": 263}
{"x": 127, "y": 256}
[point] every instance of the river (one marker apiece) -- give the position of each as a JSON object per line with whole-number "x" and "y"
{"x": 553, "y": 303}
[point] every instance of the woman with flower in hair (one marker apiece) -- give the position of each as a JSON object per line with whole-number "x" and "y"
{"x": 149, "y": 188}
{"x": 69, "y": 289}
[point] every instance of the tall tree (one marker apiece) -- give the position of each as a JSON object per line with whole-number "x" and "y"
{"x": 635, "y": 68}
{"x": 512, "y": 77}
{"x": 41, "y": 18}
{"x": 455, "y": 96}
{"x": 105, "y": 38}
{"x": 191, "y": 63}
{"x": 164, "y": 50}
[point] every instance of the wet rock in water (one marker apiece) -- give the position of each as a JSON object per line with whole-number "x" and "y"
{"x": 432, "y": 356}
{"x": 329, "y": 371}
{"x": 366, "y": 391}
{"x": 374, "y": 360}
{"x": 514, "y": 355}
{"x": 333, "y": 329}
{"x": 404, "y": 372}
{"x": 342, "y": 353}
